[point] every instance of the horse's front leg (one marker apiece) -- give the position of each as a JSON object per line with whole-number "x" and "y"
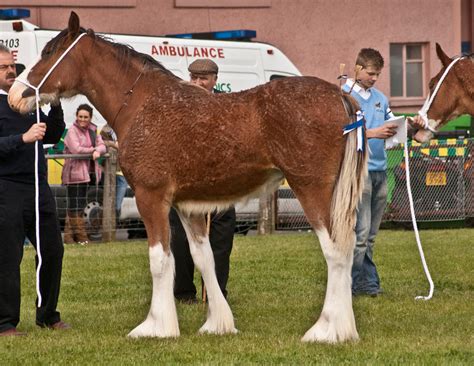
{"x": 162, "y": 319}
{"x": 219, "y": 317}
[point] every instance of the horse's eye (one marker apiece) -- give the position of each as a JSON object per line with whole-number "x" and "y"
{"x": 431, "y": 84}
{"x": 45, "y": 53}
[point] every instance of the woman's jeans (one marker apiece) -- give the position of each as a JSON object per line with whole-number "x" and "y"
{"x": 121, "y": 189}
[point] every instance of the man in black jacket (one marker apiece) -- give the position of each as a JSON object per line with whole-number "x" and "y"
{"x": 18, "y": 135}
{"x": 203, "y": 72}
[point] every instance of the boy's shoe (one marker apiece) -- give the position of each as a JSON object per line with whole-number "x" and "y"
{"x": 368, "y": 293}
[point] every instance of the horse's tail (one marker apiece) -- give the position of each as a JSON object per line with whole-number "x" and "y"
{"x": 349, "y": 186}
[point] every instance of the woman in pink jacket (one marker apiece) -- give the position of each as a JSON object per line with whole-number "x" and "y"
{"x": 79, "y": 174}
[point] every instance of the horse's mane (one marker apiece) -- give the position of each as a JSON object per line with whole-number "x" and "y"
{"x": 125, "y": 53}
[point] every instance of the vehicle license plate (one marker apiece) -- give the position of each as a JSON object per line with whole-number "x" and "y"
{"x": 436, "y": 178}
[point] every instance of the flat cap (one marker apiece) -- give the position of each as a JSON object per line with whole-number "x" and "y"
{"x": 203, "y": 66}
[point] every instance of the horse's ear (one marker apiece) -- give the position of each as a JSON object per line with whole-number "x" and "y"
{"x": 74, "y": 24}
{"x": 445, "y": 59}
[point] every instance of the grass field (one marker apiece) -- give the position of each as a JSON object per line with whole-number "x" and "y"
{"x": 276, "y": 291}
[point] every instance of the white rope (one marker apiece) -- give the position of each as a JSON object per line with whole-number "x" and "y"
{"x": 423, "y": 112}
{"x": 37, "y": 97}
{"x": 37, "y": 231}
{"x": 415, "y": 226}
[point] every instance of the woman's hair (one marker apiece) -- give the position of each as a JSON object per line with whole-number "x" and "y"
{"x": 369, "y": 57}
{"x": 84, "y": 107}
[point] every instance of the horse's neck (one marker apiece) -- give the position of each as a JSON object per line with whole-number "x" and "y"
{"x": 107, "y": 85}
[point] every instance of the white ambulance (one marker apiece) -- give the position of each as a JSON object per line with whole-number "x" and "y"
{"x": 242, "y": 65}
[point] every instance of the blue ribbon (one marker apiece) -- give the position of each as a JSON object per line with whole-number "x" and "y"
{"x": 353, "y": 126}
{"x": 359, "y": 126}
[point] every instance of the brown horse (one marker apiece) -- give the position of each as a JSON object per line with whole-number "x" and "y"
{"x": 184, "y": 147}
{"x": 455, "y": 96}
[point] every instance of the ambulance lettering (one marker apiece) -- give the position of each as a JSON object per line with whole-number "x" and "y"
{"x": 198, "y": 52}
{"x": 224, "y": 87}
{"x": 10, "y": 43}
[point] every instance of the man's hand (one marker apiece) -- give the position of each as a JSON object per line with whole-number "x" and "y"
{"x": 383, "y": 132}
{"x": 35, "y": 133}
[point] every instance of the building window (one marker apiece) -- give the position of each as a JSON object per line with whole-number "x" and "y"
{"x": 407, "y": 70}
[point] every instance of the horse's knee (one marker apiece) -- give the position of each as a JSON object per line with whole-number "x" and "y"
{"x": 160, "y": 261}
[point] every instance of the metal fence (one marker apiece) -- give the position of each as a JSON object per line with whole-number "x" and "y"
{"x": 441, "y": 181}
{"x": 99, "y": 213}
{"x": 442, "y": 176}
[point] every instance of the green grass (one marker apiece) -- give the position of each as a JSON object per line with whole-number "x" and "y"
{"x": 276, "y": 291}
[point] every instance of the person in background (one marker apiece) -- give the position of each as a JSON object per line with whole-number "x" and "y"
{"x": 79, "y": 174}
{"x": 203, "y": 72}
{"x": 110, "y": 140}
{"x": 18, "y": 134}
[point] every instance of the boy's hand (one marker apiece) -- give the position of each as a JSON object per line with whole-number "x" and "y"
{"x": 383, "y": 132}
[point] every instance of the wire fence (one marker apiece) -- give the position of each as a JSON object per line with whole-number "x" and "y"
{"x": 441, "y": 181}
{"x": 442, "y": 174}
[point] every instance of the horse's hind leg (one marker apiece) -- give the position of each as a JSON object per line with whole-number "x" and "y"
{"x": 162, "y": 319}
{"x": 336, "y": 322}
{"x": 219, "y": 317}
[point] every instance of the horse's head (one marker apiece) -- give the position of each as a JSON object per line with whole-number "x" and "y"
{"x": 64, "y": 78}
{"x": 455, "y": 95}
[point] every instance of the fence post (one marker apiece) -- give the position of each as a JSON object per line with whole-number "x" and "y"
{"x": 266, "y": 214}
{"x": 108, "y": 217}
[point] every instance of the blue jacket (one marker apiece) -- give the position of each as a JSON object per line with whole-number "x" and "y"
{"x": 374, "y": 106}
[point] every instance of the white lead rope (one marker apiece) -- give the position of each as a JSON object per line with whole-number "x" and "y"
{"x": 423, "y": 112}
{"x": 415, "y": 226}
{"x": 37, "y": 97}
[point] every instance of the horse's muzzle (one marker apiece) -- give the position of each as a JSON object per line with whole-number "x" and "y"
{"x": 28, "y": 92}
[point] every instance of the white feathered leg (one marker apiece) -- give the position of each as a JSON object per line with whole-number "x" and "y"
{"x": 219, "y": 316}
{"x": 162, "y": 319}
{"x": 336, "y": 322}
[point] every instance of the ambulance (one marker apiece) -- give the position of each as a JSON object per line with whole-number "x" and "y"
{"x": 242, "y": 64}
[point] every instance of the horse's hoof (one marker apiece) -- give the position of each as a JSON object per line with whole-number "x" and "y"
{"x": 150, "y": 329}
{"x": 209, "y": 329}
{"x": 321, "y": 332}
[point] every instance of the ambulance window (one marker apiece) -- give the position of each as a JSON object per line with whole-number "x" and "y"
{"x": 19, "y": 68}
{"x": 275, "y": 76}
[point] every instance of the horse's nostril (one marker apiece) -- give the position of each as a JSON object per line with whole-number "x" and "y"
{"x": 28, "y": 92}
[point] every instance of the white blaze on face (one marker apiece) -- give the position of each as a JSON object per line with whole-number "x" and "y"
{"x": 15, "y": 98}
{"x": 15, "y": 94}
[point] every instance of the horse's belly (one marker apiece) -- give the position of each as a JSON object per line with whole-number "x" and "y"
{"x": 230, "y": 188}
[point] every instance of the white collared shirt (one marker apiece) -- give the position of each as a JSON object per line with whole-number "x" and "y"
{"x": 364, "y": 93}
